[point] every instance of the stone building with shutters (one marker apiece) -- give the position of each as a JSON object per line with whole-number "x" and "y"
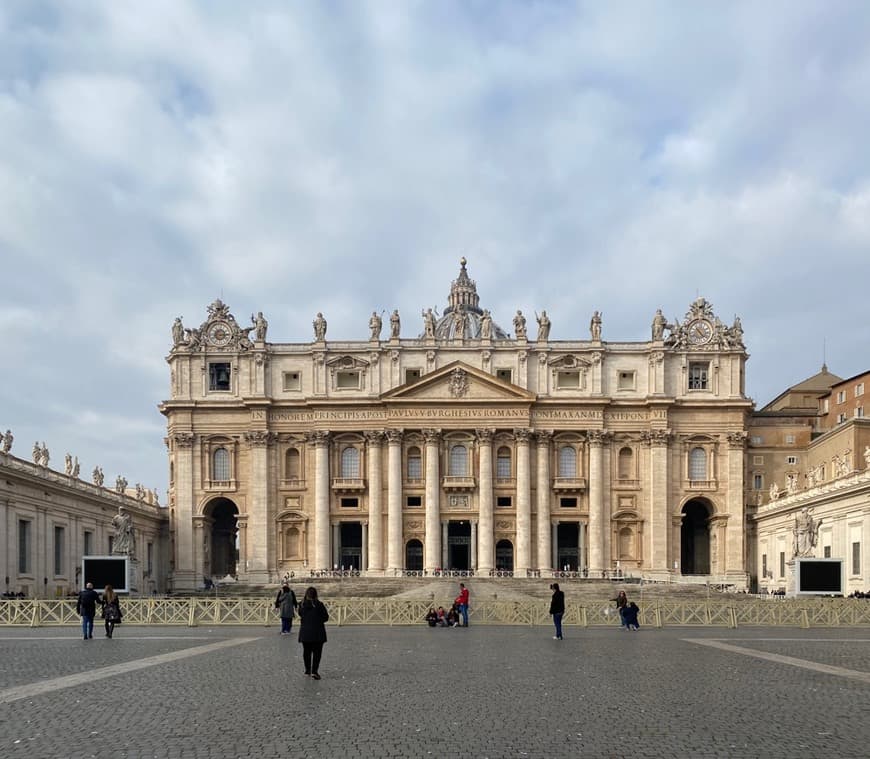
{"x": 463, "y": 447}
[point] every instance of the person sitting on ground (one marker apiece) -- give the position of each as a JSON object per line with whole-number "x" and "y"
{"x": 442, "y": 617}
{"x": 432, "y": 617}
{"x": 453, "y": 617}
{"x": 629, "y": 614}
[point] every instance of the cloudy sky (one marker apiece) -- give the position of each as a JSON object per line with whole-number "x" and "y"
{"x": 342, "y": 156}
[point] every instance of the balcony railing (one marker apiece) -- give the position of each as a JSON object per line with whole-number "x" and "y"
{"x": 293, "y": 483}
{"x": 505, "y": 482}
{"x": 700, "y": 484}
{"x": 454, "y": 482}
{"x": 348, "y": 484}
{"x": 569, "y": 483}
{"x": 221, "y": 485}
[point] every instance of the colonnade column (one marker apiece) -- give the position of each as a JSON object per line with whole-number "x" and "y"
{"x": 184, "y": 573}
{"x": 395, "y": 561}
{"x": 545, "y": 551}
{"x": 336, "y": 545}
{"x": 373, "y": 547}
{"x": 432, "y": 548}
{"x": 364, "y": 551}
{"x": 485, "y": 549}
{"x": 474, "y": 544}
{"x": 597, "y": 560}
{"x": 524, "y": 503}
{"x": 320, "y": 439}
{"x": 734, "y": 551}
{"x": 554, "y": 545}
{"x": 660, "y": 522}
{"x": 445, "y": 559}
{"x": 256, "y": 567}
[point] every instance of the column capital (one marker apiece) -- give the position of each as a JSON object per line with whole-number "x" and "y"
{"x": 737, "y": 439}
{"x": 432, "y": 436}
{"x": 484, "y": 435}
{"x": 374, "y": 437}
{"x": 598, "y": 437}
{"x": 394, "y": 437}
{"x": 259, "y": 438}
{"x": 522, "y": 435}
{"x": 318, "y": 438}
{"x": 655, "y": 437}
{"x": 544, "y": 437}
{"x": 183, "y": 439}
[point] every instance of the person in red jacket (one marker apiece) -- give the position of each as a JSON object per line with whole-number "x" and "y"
{"x": 462, "y": 603}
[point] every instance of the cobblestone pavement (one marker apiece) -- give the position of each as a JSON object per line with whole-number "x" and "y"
{"x": 485, "y": 691}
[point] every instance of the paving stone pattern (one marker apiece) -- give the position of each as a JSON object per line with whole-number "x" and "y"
{"x": 416, "y": 692}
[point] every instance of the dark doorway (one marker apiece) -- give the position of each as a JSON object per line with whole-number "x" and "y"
{"x": 504, "y": 556}
{"x": 695, "y": 539}
{"x": 459, "y": 546}
{"x": 350, "y": 550}
{"x": 224, "y": 543}
{"x": 414, "y": 556}
{"x": 568, "y": 546}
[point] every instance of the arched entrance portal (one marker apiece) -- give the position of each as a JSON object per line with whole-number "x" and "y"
{"x": 414, "y": 556}
{"x": 224, "y": 539}
{"x": 459, "y": 546}
{"x": 568, "y": 546}
{"x": 504, "y": 556}
{"x": 695, "y": 538}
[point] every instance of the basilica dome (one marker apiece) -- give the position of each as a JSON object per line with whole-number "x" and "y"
{"x": 464, "y": 318}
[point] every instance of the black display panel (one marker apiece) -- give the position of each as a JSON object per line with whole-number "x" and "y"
{"x": 819, "y": 576}
{"x": 106, "y": 570}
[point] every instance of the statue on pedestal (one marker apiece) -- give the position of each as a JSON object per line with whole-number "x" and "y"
{"x": 7, "y": 442}
{"x": 520, "y": 325}
{"x": 806, "y": 532}
{"x": 375, "y": 325}
{"x": 98, "y": 476}
{"x": 319, "y": 327}
{"x": 177, "y": 332}
{"x": 395, "y": 324}
{"x": 486, "y": 325}
{"x": 260, "y": 326}
{"x": 124, "y": 542}
{"x": 428, "y": 323}
{"x": 595, "y": 326}
{"x": 658, "y": 326}
{"x": 543, "y": 327}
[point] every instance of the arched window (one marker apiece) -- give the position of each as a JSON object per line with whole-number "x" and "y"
{"x": 697, "y": 464}
{"x": 414, "y": 556}
{"x": 291, "y": 464}
{"x": 503, "y": 463}
{"x": 567, "y": 461}
{"x": 221, "y": 465}
{"x": 350, "y": 463}
{"x": 626, "y": 543}
{"x": 459, "y": 461}
{"x": 625, "y": 468}
{"x": 291, "y": 543}
{"x": 415, "y": 464}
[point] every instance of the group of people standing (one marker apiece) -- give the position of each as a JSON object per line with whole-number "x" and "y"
{"x": 86, "y": 607}
{"x": 313, "y": 617}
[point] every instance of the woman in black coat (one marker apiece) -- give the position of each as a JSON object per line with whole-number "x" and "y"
{"x": 312, "y": 631}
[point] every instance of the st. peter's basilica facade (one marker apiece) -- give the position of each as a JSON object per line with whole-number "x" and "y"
{"x": 468, "y": 447}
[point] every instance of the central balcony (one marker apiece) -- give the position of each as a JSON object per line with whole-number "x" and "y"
{"x": 569, "y": 484}
{"x": 348, "y": 484}
{"x": 454, "y": 483}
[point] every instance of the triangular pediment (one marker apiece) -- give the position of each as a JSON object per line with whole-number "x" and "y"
{"x": 459, "y": 382}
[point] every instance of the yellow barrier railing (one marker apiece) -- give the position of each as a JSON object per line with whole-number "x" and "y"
{"x": 384, "y": 611}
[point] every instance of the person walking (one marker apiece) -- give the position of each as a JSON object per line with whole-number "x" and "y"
{"x": 111, "y": 609}
{"x": 313, "y": 617}
{"x": 557, "y": 609}
{"x": 462, "y": 603}
{"x": 286, "y": 605}
{"x": 86, "y": 606}
{"x": 621, "y": 602}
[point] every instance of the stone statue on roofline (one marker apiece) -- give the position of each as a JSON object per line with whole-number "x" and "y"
{"x": 395, "y": 324}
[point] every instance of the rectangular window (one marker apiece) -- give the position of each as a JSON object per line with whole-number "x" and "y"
{"x": 758, "y": 482}
{"x": 756, "y": 440}
{"x": 859, "y": 389}
{"x": 782, "y": 563}
{"x": 503, "y": 501}
{"x": 219, "y": 376}
{"x": 503, "y": 467}
{"x": 24, "y": 546}
{"x": 625, "y": 381}
{"x": 827, "y": 552}
{"x": 758, "y": 461}
{"x": 841, "y": 396}
{"x": 89, "y": 543}
{"x": 856, "y": 558}
{"x": 59, "y": 540}
{"x": 789, "y": 439}
{"x": 791, "y": 460}
{"x": 859, "y": 411}
{"x": 415, "y": 468}
{"x": 568, "y": 503}
{"x": 149, "y": 567}
{"x": 699, "y": 375}
{"x": 349, "y": 503}
{"x": 411, "y": 375}
{"x": 506, "y": 375}
{"x": 347, "y": 380}
{"x": 292, "y": 381}
{"x": 568, "y": 380}
{"x": 826, "y": 405}
{"x": 841, "y": 418}
{"x": 415, "y": 501}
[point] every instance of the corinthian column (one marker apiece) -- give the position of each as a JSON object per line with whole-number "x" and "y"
{"x": 545, "y": 545}
{"x": 432, "y": 553}
{"x": 485, "y": 546}
{"x": 394, "y": 501}
{"x": 376, "y": 507}
{"x": 184, "y": 576}
{"x": 256, "y": 562}
{"x": 524, "y": 503}
{"x": 597, "y": 559}
{"x": 734, "y": 559}
{"x": 659, "y": 529}
{"x": 320, "y": 439}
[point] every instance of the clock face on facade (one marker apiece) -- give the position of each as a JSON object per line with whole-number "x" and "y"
{"x": 219, "y": 334}
{"x": 700, "y": 332}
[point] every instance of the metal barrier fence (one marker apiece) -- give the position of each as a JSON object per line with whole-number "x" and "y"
{"x": 382, "y": 611}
